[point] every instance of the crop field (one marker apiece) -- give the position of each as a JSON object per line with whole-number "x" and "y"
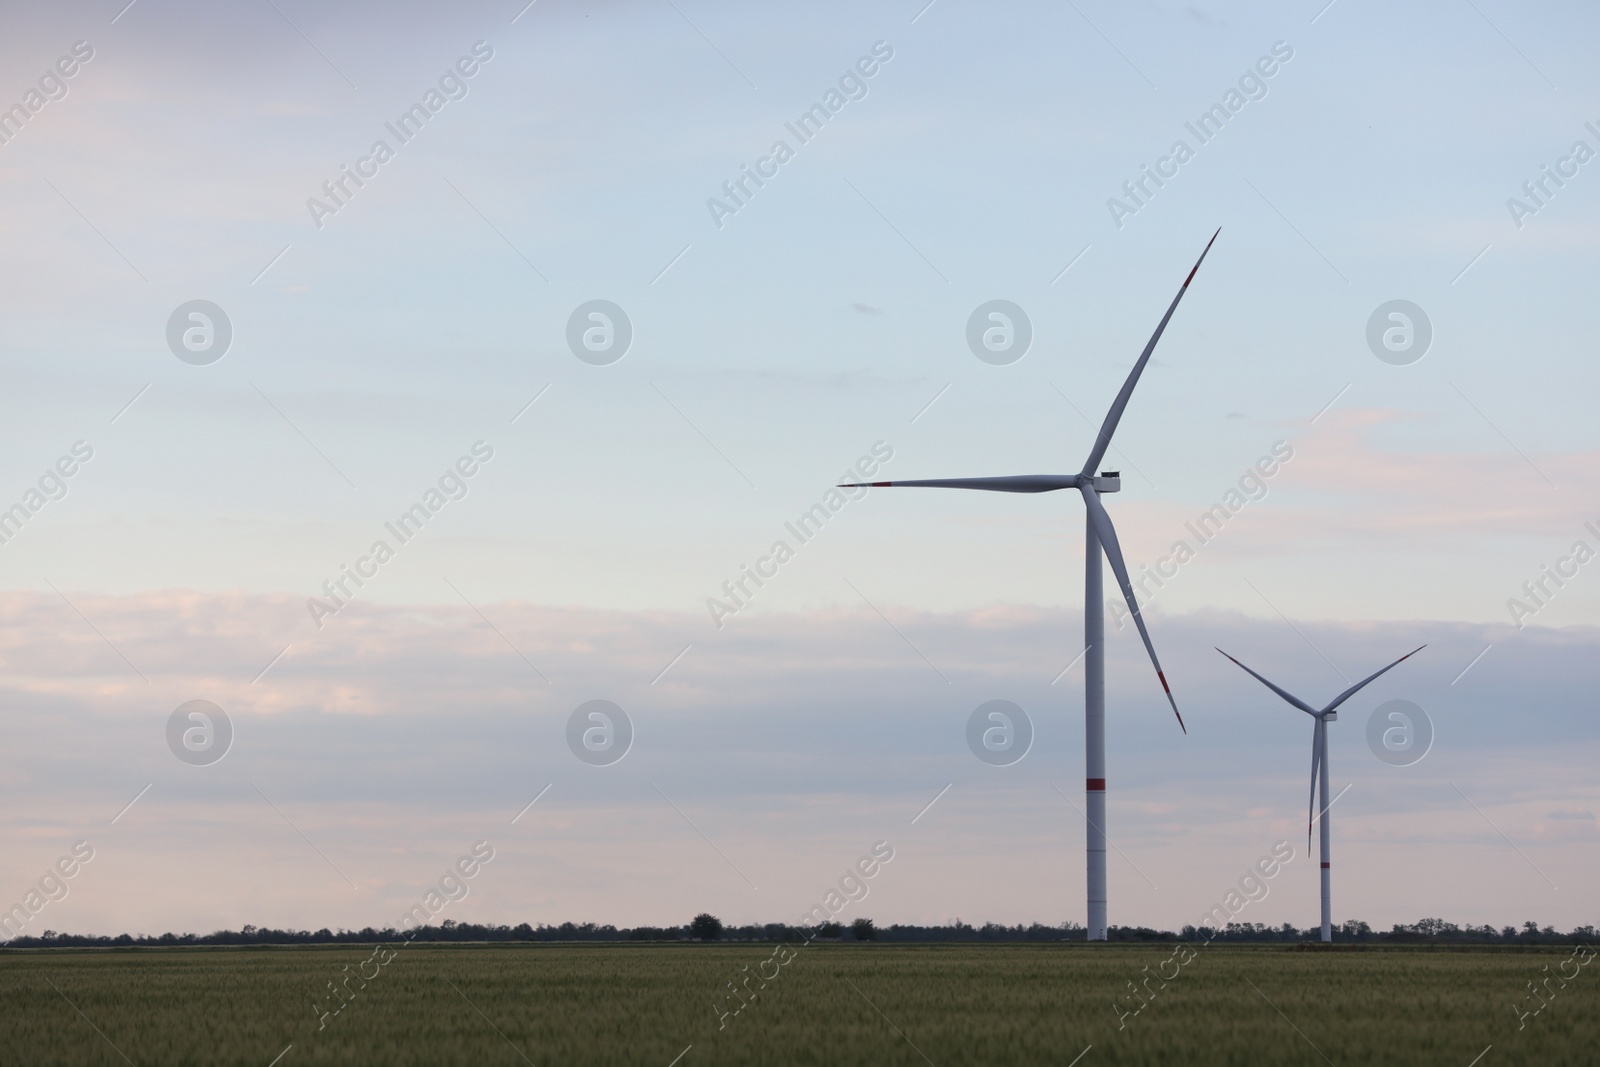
{"x": 822, "y": 1004}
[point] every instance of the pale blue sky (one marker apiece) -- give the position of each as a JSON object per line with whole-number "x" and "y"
{"x": 769, "y": 354}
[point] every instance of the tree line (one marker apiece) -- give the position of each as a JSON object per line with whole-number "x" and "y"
{"x": 706, "y": 927}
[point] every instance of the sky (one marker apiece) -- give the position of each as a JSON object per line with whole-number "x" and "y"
{"x": 416, "y": 340}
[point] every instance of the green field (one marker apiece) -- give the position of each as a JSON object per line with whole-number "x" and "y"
{"x": 831, "y": 1004}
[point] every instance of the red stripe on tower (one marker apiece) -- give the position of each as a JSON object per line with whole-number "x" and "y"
{"x": 1095, "y": 785}
{"x": 1326, "y": 865}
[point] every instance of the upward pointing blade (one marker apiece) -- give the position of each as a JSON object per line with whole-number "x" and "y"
{"x": 1017, "y": 483}
{"x": 1109, "y": 427}
{"x": 1290, "y": 697}
{"x": 1354, "y": 689}
{"x": 1108, "y": 541}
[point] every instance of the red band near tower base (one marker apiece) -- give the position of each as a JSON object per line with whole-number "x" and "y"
{"x": 1325, "y": 866}
{"x": 1095, "y": 785}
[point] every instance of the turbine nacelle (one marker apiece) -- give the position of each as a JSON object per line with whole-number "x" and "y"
{"x": 1108, "y": 482}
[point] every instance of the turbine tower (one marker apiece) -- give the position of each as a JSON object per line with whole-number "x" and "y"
{"x": 1099, "y": 537}
{"x": 1319, "y": 766}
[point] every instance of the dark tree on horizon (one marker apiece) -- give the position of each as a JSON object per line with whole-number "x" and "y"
{"x": 706, "y": 927}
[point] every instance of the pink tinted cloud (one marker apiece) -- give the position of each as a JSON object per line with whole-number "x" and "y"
{"x": 1342, "y": 489}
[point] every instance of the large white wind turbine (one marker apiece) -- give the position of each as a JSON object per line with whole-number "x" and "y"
{"x": 1099, "y": 536}
{"x": 1319, "y": 762}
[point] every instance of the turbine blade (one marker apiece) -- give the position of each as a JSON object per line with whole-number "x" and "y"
{"x": 1317, "y": 736}
{"x": 1019, "y": 483}
{"x": 1354, "y": 689}
{"x": 1103, "y": 441}
{"x": 1108, "y": 543}
{"x": 1290, "y": 697}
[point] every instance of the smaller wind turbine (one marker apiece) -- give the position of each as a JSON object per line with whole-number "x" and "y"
{"x": 1319, "y": 761}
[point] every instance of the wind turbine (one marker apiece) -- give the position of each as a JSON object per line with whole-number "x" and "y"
{"x": 1319, "y": 760}
{"x": 1099, "y": 536}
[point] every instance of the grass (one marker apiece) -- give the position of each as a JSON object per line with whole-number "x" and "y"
{"x": 840, "y": 1004}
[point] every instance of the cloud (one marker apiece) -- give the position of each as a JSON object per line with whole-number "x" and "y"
{"x": 1568, "y": 824}
{"x": 1343, "y": 486}
{"x": 398, "y": 734}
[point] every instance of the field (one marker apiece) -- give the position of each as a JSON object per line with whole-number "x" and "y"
{"x": 828, "y": 1004}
